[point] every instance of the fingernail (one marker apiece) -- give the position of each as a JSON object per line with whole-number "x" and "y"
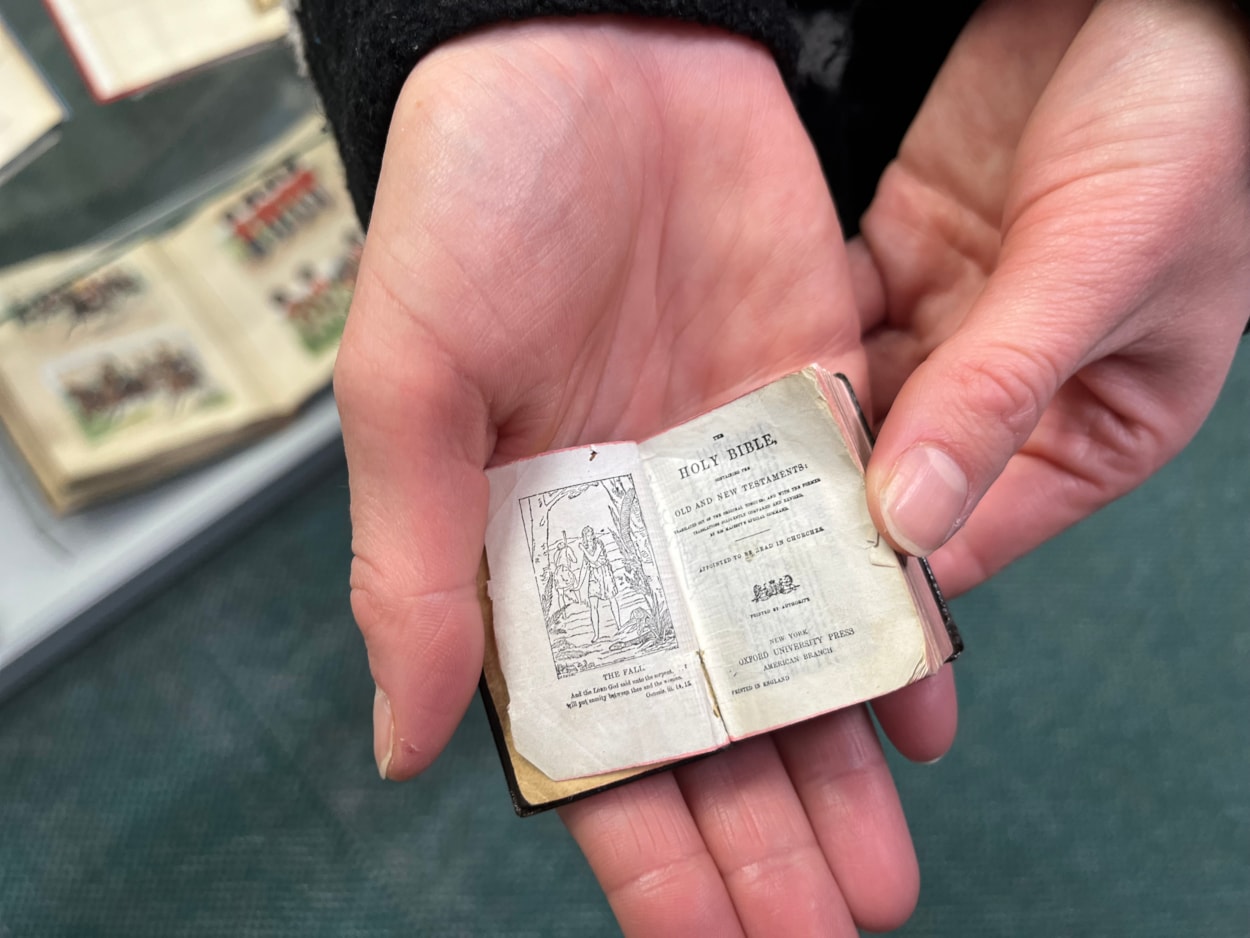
{"x": 383, "y": 731}
{"x": 934, "y": 761}
{"x": 924, "y": 500}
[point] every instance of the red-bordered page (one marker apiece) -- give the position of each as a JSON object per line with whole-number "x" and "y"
{"x": 122, "y": 47}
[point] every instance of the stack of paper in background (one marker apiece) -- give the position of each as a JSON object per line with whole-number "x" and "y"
{"x": 30, "y": 112}
{"x": 123, "y": 47}
{"x": 122, "y": 366}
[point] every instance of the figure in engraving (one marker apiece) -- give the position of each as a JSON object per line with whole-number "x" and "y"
{"x": 565, "y": 575}
{"x": 596, "y": 574}
{"x": 600, "y": 590}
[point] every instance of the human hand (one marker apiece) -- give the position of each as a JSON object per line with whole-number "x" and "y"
{"x": 1064, "y": 242}
{"x": 584, "y": 231}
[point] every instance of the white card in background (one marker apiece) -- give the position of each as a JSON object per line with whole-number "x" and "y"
{"x": 30, "y": 112}
{"x": 125, "y": 46}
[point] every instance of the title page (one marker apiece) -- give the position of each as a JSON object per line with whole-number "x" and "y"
{"x": 799, "y": 605}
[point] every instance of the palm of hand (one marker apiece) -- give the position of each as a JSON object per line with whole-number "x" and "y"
{"x": 630, "y": 250}
{"x": 646, "y": 235}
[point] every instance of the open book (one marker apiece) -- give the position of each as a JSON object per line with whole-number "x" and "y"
{"x": 653, "y": 601}
{"x": 122, "y": 368}
{"x": 126, "y": 46}
{"x": 30, "y": 113}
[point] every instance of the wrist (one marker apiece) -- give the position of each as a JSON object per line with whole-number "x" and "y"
{"x": 563, "y": 88}
{"x": 594, "y": 54}
{"x": 360, "y": 52}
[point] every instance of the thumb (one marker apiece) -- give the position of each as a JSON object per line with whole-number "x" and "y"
{"x": 416, "y": 437}
{"x": 1051, "y": 304}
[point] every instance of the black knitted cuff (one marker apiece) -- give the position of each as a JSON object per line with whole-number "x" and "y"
{"x": 359, "y": 53}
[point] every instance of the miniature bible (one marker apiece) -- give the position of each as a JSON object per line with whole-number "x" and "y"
{"x": 650, "y": 602}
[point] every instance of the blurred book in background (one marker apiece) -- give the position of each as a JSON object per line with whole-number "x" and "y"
{"x": 122, "y": 366}
{"x": 123, "y": 47}
{"x": 30, "y": 112}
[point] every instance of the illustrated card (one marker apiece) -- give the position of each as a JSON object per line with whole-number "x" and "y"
{"x": 277, "y": 257}
{"x": 111, "y": 366}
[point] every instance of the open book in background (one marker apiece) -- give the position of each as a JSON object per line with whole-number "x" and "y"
{"x": 649, "y": 602}
{"x": 122, "y": 47}
{"x": 31, "y": 114}
{"x": 122, "y": 367}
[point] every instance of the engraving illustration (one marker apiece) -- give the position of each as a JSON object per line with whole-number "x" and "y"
{"x": 596, "y": 575}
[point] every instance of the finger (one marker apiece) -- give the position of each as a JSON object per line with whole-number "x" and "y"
{"x": 867, "y": 286}
{"x": 921, "y": 719}
{"x": 1049, "y": 485}
{"x": 651, "y": 862}
{"x": 415, "y": 433}
{"x": 1033, "y": 500}
{"x": 962, "y": 413}
{"x": 840, "y": 774}
{"x": 759, "y": 836}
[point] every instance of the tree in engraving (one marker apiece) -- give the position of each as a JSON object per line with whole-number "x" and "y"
{"x": 537, "y": 515}
{"x": 654, "y": 625}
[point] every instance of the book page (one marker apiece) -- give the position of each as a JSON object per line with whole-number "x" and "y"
{"x": 800, "y": 607}
{"x": 29, "y": 111}
{"x": 275, "y": 260}
{"x": 123, "y": 46}
{"x": 109, "y": 367}
{"x": 601, "y": 667}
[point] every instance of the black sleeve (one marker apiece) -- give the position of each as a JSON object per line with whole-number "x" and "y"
{"x": 359, "y": 52}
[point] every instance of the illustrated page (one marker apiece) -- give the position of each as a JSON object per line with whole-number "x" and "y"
{"x": 126, "y": 45}
{"x": 111, "y": 367}
{"x": 28, "y": 108}
{"x": 594, "y": 641}
{"x": 276, "y": 259}
{"x": 799, "y": 605}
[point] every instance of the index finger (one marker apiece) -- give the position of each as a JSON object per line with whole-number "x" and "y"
{"x": 416, "y": 434}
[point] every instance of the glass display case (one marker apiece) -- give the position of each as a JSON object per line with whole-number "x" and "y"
{"x": 136, "y": 167}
